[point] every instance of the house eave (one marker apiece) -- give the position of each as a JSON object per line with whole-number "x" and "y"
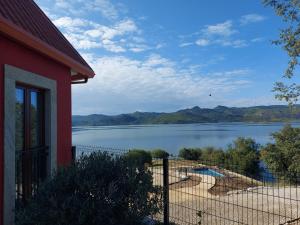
{"x": 11, "y": 30}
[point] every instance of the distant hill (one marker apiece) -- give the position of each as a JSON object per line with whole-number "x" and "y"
{"x": 196, "y": 114}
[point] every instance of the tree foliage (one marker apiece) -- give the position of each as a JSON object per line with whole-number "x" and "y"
{"x": 283, "y": 157}
{"x": 289, "y": 39}
{"x": 213, "y": 155}
{"x": 159, "y": 154}
{"x": 97, "y": 189}
{"x": 139, "y": 157}
{"x": 243, "y": 157}
{"x": 190, "y": 153}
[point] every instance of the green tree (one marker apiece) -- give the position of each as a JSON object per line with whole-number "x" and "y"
{"x": 190, "y": 153}
{"x": 97, "y": 189}
{"x": 159, "y": 154}
{"x": 289, "y": 39}
{"x": 213, "y": 156}
{"x": 243, "y": 157}
{"x": 139, "y": 156}
{"x": 283, "y": 157}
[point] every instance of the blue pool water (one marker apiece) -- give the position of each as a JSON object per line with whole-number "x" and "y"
{"x": 209, "y": 172}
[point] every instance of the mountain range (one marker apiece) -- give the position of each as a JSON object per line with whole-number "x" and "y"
{"x": 274, "y": 113}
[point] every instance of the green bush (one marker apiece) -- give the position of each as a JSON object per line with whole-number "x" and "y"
{"x": 283, "y": 157}
{"x": 139, "y": 156}
{"x": 97, "y": 189}
{"x": 159, "y": 154}
{"x": 190, "y": 153}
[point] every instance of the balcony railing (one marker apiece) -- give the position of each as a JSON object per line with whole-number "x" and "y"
{"x": 31, "y": 170}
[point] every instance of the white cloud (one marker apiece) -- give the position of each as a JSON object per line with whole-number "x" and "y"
{"x": 86, "y": 34}
{"x": 232, "y": 43}
{"x": 259, "y": 39}
{"x": 251, "y": 18}
{"x": 203, "y": 42}
{"x": 153, "y": 84}
{"x": 221, "y": 34}
{"x": 185, "y": 44}
{"x": 76, "y": 7}
{"x": 222, "y": 29}
{"x": 106, "y": 8}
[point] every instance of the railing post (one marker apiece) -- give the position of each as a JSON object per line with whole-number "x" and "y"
{"x": 166, "y": 190}
{"x": 73, "y": 153}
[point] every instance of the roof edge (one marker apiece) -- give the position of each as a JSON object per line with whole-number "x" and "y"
{"x": 31, "y": 41}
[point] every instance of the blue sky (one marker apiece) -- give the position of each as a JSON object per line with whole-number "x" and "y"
{"x": 165, "y": 55}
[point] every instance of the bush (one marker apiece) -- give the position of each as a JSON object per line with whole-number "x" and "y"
{"x": 283, "y": 157}
{"x": 139, "y": 156}
{"x": 190, "y": 153}
{"x": 97, "y": 189}
{"x": 159, "y": 154}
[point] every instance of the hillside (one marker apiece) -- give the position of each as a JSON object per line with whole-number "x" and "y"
{"x": 195, "y": 115}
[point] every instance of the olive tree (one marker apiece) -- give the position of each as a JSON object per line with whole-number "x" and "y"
{"x": 97, "y": 189}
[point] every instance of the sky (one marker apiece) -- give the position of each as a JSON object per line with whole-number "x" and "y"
{"x": 166, "y": 55}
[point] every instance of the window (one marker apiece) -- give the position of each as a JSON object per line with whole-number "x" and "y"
{"x": 31, "y": 152}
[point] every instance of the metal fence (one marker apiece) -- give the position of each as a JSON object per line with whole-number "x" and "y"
{"x": 208, "y": 193}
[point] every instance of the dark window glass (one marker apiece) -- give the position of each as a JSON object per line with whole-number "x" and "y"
{"x": 31, "y": 153}
{"x": 20, "y": 118}
{"x": 36, "y": 119}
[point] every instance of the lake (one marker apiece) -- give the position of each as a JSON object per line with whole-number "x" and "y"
{"x": 173, "y": 137}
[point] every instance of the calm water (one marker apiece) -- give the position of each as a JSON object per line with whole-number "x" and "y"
{"x": 209, "y": 172}
{"x": 174, "y": 137}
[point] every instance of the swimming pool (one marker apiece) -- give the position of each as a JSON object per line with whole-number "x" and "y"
{"x": 206, "y": 171}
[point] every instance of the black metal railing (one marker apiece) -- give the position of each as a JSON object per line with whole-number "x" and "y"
{"x": 31, "y": 171}
{"x": 205, "y": 192}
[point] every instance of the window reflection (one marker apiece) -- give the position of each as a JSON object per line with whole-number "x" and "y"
{"x": 20, "y": 118}
{"x": 35, "y": 113}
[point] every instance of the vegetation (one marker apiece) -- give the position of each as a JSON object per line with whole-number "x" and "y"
{"x": 242, "y": 156}
{"x": 289, "y": 39}
{"x": 97, "y": 189}
{"x": 159, "y": 154}
{"x": 195, "y": 115}
{"x": 139, "y": 157}
{"x": 211, "y": 154}
{"x": 190, "y": 153}
{"x": 283, "y": 157}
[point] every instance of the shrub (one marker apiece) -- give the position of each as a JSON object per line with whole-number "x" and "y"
{"x": 139, "y": 157}
{"x": 159, "y": 154}
{"x": 190, "y": 153}
{"x": 97, "y": 189}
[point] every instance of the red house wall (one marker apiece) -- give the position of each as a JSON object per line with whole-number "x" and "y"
{"x": 19, "y": 56}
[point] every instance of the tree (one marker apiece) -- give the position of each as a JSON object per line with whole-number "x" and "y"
{"x": 289, "y": 39}
{"x": 283, "y": 157}
{"x": 190, "y": 153}
{"x": 213, "y": 156}
{"x": 97, "y": 189}
{"x": 159, "y": 154}
{"x": 139, "y": 156}
{"x": 243, "y": 157}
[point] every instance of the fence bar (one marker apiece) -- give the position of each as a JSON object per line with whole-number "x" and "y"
{"x": 166, "y": 190}
{"x": 73, "y": 152}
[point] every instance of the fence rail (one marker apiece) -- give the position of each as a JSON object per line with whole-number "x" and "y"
{"x": 202, "y": 192}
